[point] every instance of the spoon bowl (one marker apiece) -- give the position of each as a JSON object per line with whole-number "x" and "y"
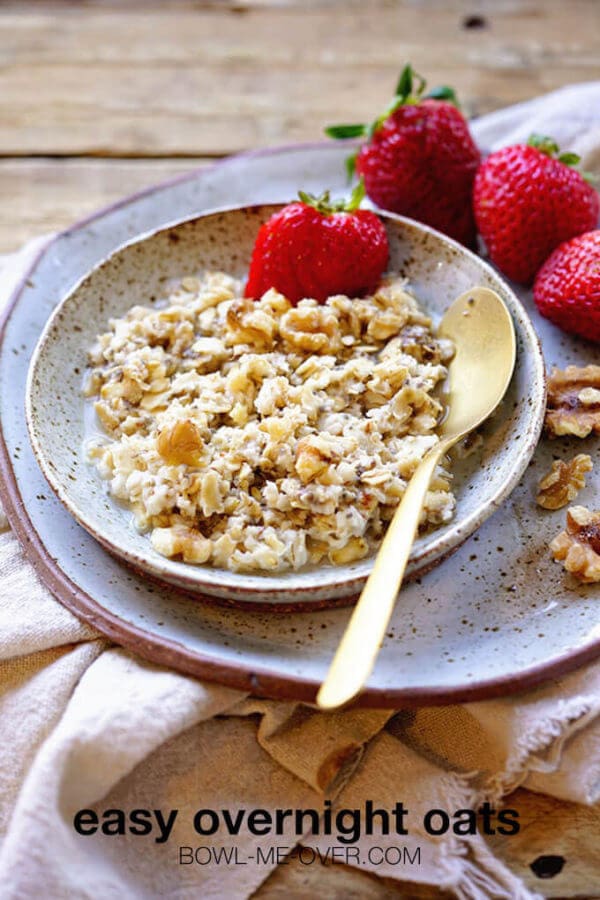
{"x": 481, "y": 329}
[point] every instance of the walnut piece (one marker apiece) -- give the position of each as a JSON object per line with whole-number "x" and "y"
{"x": 249, "y": 323}
{"x": 573, "y": 401}
{"x": 180, "y": 444}
{"x": 384, "y": 324}
{"x": 563, "y": 482}
{"x": 578, "y": 547}
{"x": 356, "y": 548}
{"x": 310, "y": 327}
{"x": 106, "y": 416}
{"x": 179, "y": 540}
{"x": 314, "y": 455}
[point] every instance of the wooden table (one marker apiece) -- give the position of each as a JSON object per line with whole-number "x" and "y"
{"x": 99, "y": 99}
{"x": 102, "y": 98}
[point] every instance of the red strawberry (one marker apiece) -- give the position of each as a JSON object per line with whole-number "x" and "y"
{"x": 419, "y": 159}
{"x": 527, "y": 200}
{"x": 315, "y": 248}
{"x": 567, "y": 287}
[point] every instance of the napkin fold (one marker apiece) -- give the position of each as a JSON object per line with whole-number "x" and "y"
{"x": 86, "y": 725}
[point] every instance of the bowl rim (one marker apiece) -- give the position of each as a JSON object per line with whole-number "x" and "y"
{"x": 339, "y": 581}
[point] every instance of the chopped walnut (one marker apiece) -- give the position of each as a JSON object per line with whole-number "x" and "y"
{"x": 310, "y": 327}
{"x": 125, "y": 387}
{"x": 578, "y": 547}
{"x": 212, "y": 493}
{"x": 179, "y": 540}
{"x": 563, "y": 482}
{"x": 180, "y": 444}
{"x": 314, "y": 455}
{"x": 384, "y": 324}
{"x": 416, "y": 341}
{"x": 356, "y": 548}
{"x": 248, "y": 323}
{"x": 573, "y": 401}
{"x": 106, "y": 416}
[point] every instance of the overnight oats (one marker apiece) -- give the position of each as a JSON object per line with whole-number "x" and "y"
{"x": 261, "y": 436}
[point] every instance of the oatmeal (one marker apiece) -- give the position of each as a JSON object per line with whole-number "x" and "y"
{"x": 260, "y": 436}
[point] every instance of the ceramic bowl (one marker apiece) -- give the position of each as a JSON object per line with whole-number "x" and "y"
{"x": 437, "y": 269}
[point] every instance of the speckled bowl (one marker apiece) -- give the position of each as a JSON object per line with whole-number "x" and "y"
{"x": 438, "y": 270}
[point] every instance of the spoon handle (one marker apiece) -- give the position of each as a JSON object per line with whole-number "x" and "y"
{"x": 355, "y": 656}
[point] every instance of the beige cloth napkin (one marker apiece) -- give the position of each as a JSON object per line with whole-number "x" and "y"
{"x": 85, "y": 724}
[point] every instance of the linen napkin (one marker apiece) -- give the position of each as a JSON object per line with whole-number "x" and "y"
{"x": 84, "y": 724}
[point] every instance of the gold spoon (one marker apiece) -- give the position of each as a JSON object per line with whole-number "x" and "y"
{"x": 483, "y": 334}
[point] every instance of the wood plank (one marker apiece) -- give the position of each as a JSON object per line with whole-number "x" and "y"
{"x": 75, "y": 80}
{"x": 40, "y": 33}
{"x": 40, "y": 196}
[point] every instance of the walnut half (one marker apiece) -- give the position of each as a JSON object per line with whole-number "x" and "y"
{"x": 180, "y": 540}
{"x": 180, "y": 444}
{"x": 563, "y": 482}
{"x": 573, "y": 401}
{"x": 314, "y": 455}
{"x": 578, "y": 547}
{"x": 310, "y": 328}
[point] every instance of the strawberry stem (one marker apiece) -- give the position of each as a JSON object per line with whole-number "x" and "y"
{"x": 324, "y": 204}
{"x": 410, "y": 90}
{"x": 357, "y": 196}
{"x": 544, "y": 144}
{"x": 548, "y": 145}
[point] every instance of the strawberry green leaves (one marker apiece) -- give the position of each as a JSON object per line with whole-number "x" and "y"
{"x": 544, "y": 144}
{"x": 548, "y": 145}
{"x": 404, "y": 87}
{"x": 410, "y": 91}
{"x": 342, "y": 132}
{"x": 325, "y": 205}
{"x": 443, "y": 92}
{"x": 569, "y": 159}
{"x": 350, "y": 164}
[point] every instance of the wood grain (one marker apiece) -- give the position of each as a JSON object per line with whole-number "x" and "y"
{"x": 38, "y": 196}
{"x": 209, "y": 81}
{"x": 156, "y": 88}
